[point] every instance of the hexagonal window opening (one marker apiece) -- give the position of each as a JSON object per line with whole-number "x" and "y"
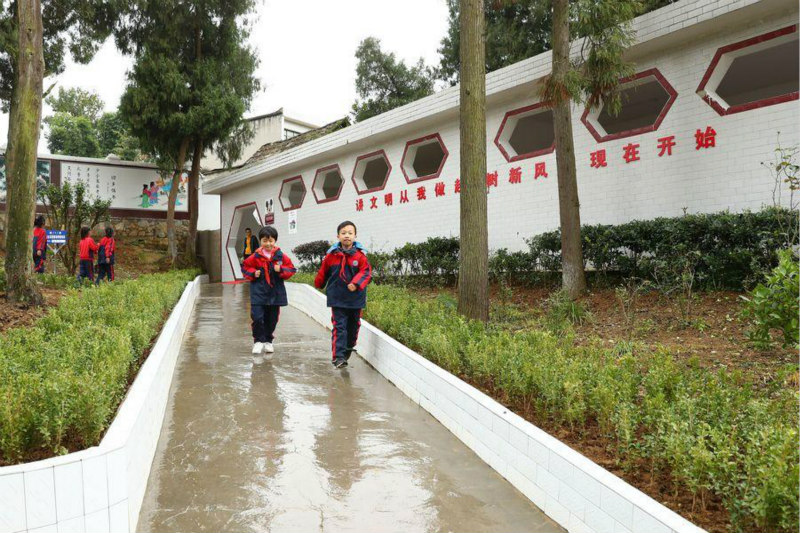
{"x": 244, "y": 216}
{"x": 526, "y": 132}
{"x": 371, "y": 172}
{"x": 753, "y": 73}
{"x": 424, "y": 158}
{"x": 646, "y": 99}
{"x": 293, "y": 191}
{"x": 327, "y": 184}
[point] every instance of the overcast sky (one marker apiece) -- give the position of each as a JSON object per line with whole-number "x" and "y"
{"x": 306, "y": 49}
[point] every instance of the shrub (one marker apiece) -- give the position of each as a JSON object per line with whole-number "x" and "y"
{"x": 774, "y": 303}
{"x": 714, "y": 433}
{"x": 311, "y": 254}
{"x": 432, "y": 261}
{"x": 62, "y": 379}
{"x": 732, "y": 249}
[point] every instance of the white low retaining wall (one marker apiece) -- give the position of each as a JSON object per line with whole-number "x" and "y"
{"x": 572, "y": 490}
{"x": 101, "y": 489}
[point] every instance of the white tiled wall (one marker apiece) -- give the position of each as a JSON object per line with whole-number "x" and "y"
{"x": 572, "y": 490}
{"x": 728, "y": 176}
{"x": 101, "y": 489}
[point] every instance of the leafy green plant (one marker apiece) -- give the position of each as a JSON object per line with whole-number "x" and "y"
{"x": 714, "y": 433}
{"x": 774, "y": 304}
{"x": 562, "y": 309}
{"x": 62, "y": 379}
{"x": 311, "y": 254}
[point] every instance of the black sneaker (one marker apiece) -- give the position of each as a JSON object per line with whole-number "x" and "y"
{"x": 348, "y": 352}
{"x": 340, "y": 363}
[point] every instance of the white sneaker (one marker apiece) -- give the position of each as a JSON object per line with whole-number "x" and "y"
{"x": 268, "y": 348}
{"x": 258, "y": 347}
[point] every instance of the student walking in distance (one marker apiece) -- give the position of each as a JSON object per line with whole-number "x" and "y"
{"x": 87, "y": 249}
{"x": 39, "y": 244}
{"x": 250, "y": 244}
{"x": 106, "y": 257}
{"x": 347, "y": 272}
{"x": 267, "y": 269}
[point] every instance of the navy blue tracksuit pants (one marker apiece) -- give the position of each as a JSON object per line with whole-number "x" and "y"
{"x": 346, "y": 323}
{"x": 265, "y": 318}
{"x": 86, "y": 270}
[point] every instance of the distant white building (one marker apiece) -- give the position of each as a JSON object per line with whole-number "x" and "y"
{"x": 715, "y": 82}
{"x": 269, "y": 128}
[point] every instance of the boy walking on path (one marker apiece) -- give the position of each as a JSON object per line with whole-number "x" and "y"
{"x": 106, "y": 257}
{"x": 346, "y": 272}
{"x": 39, "y": 244}
{"x": 87, "y": 249}
{"x": 267, "y": 269}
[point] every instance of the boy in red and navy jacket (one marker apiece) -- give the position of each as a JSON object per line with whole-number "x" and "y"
{"x": 267, "y": 268}
{"x": 87, "y": 250}
{"x": 346, "y": 272}
{"x": 106, "y": 257}
{"x": 39, "y": 244}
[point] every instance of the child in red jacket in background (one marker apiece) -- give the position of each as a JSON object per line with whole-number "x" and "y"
{"x": 87, "y": 249}
{"x": 267, "y": 268}
{"x": 39, "y": 244}
{"x": 347, "y": 272}
{"x": 106, "y": 257}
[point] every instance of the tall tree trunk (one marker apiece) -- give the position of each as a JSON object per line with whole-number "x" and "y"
{"x": 573, "y": 277}
{"x": 21, "y": 155}
{"x": 194, "y": 204}
{"x": 473, "y": 273}
{"x": 172, "y": 245}
{"x": 12, "y": 131}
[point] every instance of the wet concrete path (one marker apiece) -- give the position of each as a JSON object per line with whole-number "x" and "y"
{"x": 288, "y": 443}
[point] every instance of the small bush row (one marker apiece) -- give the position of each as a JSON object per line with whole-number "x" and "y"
{"x": 62, "y": 379}
{"x": 712, "y": 432}
{"x": 718, "y": 251}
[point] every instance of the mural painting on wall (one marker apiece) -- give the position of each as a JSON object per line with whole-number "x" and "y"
{"x": 127, "y": 187}
{"x": 42, "y": 176}
{"x": 269, "y": 212}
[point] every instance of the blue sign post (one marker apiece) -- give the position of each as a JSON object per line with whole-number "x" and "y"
{"x": 55, "y": 240}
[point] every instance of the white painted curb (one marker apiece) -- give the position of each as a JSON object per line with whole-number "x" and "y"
{"x": 577, "y": 493}
{"x": 100, "y": 490}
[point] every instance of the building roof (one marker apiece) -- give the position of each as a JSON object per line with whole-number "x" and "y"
{"x": 287, "y": 144}
{"x": 670, "y": 25}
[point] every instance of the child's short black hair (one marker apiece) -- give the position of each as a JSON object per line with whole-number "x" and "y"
{"x": 109, "y": 232}
{"x": 267, "y": 231}
{"x": 248, "y": 229}
{"x": 84, "y": 232}
{"x": 344, "y": 225}
{"x": 38, "y": 221}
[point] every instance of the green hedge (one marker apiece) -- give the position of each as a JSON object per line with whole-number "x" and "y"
{"x": 723, "y": 250}
{"x": 714, "y": 432}
{"x": 719, "y": 251}
{"x": 62, "y": 379}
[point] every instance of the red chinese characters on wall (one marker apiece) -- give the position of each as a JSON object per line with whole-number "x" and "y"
{"x": 631, "y": 153}
{"x": 515, "y": 175}
{"x": 491, "y": 179}
{"x": 421, "y": 194}
{"x": 540, "y": 171}
{"x": 438, "y": 189}
{"x": 705, "y": 139}
{"x": 457, "y": 187}
{"x": 388, "y": 199}
{"x": 598, "y": 159}
{"x": 665, "y": 145}
{"x": 373, "y": 202}
{"x": 404, "y": 197}
{"x": 360, "y": 204}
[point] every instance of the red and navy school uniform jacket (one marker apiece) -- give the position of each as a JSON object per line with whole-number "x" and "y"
{"x": 339, "y": 269}
{"x": 39, "y": 241}
{"x": 268, "y": 288}
{"x": 106, "y": 251}
{"x": 87, "y": 249}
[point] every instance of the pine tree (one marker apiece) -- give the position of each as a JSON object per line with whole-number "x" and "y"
{"x": 384, "y": 83}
